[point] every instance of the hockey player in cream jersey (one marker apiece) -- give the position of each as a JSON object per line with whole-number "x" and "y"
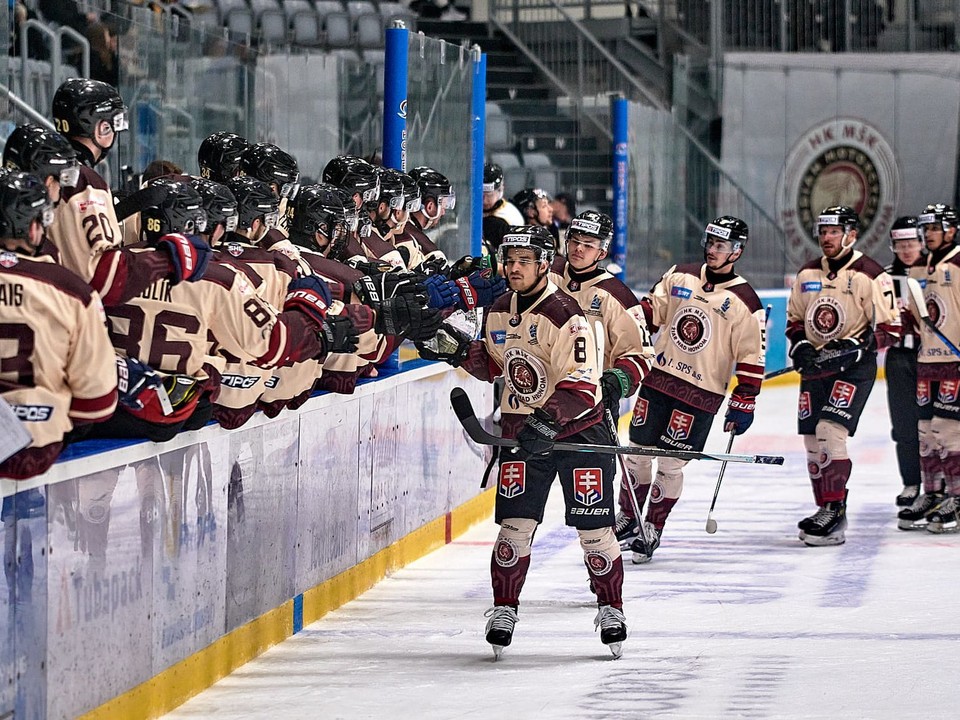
{"x": 538, "y": 339}
{"x": 841, "y": 306}
{"x": 710, "y": 320}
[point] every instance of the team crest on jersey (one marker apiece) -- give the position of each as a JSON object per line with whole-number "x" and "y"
{"x": 513, "y": 479}
{"x": 680, "y": 425}
{"x": 825, "y": 317}
{"x": 235, "y": 249}
{"x": 681, "y": 292}
{"x": 525, "y": 374}
{"x": 923, "y": 392}
{"x": 691, "y": 329}
{"x": 935, "y": 308}
{"x": 947, "y": 393}
{"x": 803, "y": 406}
{"x": 640, "y": 412}
{"x": 842, "y": 394}
{"x": 587, "y": 485}
{"x": 8, "y": 259}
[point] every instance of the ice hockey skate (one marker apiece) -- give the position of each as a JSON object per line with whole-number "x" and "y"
{"x": 945, "y": 517}
{"x": 915, "y": 516}
{"x": 908, "y": 495}
{"x": 500, "y": 627}
{"x": 827, "y": 525}
{"x": 644, "y": 544}
{"x": 613, "y": 628}
{"x": 626, "y": 530}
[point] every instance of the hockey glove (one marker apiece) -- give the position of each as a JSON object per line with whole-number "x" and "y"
{"x": 311, "y": 296}
{"x": 449, "y": 345}
{"x": 148, "y": 197}
{"x": 134, "y": 381}
{"x": 441, "y": 292}
{"x": 614, "y": 384}
{"x": 739, "y": 415}
{"x": 369, "y": 267}
{"x": 480, "y": 289}
{"x": 338, "y": 335}
{"x": 190, "y": 256}
{"x": 804, "y": 356}
{"x": 537, "y": 435}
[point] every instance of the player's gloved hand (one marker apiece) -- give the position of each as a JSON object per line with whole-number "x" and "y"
{"x": 338, "y": 335}
{"x": 614, "y": 384}
{"x": 311, "y": 296}
{"x": 190, "y": 256}
{"x": 441, "y": 292}
{"x": 436, "y": 265}
{"x": 448, "y": 345}
{"x": 804, "y": 356}
{"x": 134, "y": 381}
{"x": 538, "y": 433}
{"x": 369, "y": 267}
{"x": 840, "y": 354}
{"x": 739, "y": 415}
{"x": 480, "y": 288}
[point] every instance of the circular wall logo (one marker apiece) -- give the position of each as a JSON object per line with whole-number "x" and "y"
{"x": 843, "y": 161}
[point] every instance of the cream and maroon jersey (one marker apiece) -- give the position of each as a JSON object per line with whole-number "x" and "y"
{"x": 940, "y": 280}
{"x": 849, "y": 297}
{"x": 57, "y": 367}
{"x": 607, "y": 302}
{"x": 88, "y": 237}
{"x": 167, "y": 326}
{"x": 547, "y": 355}
{"x": 706, "y": 330}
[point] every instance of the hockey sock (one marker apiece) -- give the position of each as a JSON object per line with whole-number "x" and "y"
{"x": 601, "y": 555}
{"x": 511, "y": 560}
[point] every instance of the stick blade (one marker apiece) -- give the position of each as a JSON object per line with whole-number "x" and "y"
{"x": 462, "y": 407}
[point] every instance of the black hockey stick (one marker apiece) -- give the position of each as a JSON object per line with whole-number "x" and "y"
{"x": 916, "y": 293}
{"x": 711, "y": 523}
{"x": 468, "y": 419}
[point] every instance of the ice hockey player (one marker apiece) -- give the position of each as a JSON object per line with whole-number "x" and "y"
{"x": 710, "y": 320}
{"x": 841, "y": 309}
{"x": 219, "y": 156}
{"x": 535, "y": 206}
{"x": 537, "y": 338}
{"x": 901, "y": 359}
{"x": 938, "y": 379}
{"x": 90, "y": 113}
{"x": 493, "y": 201}
{"x": 58, "y": 368}
{"x": 616, "y": 316}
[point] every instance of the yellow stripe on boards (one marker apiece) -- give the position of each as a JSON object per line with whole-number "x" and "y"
{"x": 178, "y": 683}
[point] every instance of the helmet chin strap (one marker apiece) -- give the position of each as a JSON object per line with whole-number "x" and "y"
{"x": 843, "y": 241}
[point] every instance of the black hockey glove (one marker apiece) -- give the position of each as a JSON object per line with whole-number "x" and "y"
{"x": 406, "y": 316}
{"x": 840, "y": 355}
{"x": 614, "y": 384}
{"x": 449, "y": 345}
{"x": 537, "y": 435}
{"x": 148, "y": 197}
{"x": 804, "y": 356}
{"x": 338, "y": 335}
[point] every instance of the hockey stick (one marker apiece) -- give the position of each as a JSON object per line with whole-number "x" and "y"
{"x": 916, "y": 294}
{"x": 464, "y": 412}
{"x": 711, "y": 523}
{"x": 626, "y": 476}
{"x": 822, "y": 356}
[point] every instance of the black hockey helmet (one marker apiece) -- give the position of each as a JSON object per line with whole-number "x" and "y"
{"x": 23, "y": 199}
{"x": 434, "y": 184}
{"x": 219, "y": 156}
{"x": 318, "y": 209}
{"x": 534, "y": 237}
{"x": 80, "y": 104}
{"x": 391, "y": 188}
{"x": 180, "y": 212}
{"x": 269, "y": 163}
{"x": 218, "y": 203}
{"x": 903, "y": 228}
{"x": 492, "y": 177}
{"x": 527, "y": 199}
{"x": 412, "y": 200}
{"x": 591, "y": 224}
{"x": 842, "y": 215}
{"x": 255, "y": 199}
{"x": 355, "y": 175}
{"x": 42, "y": 152}
{"x": 726, "y": 227}
{"x": 936, "y": 214}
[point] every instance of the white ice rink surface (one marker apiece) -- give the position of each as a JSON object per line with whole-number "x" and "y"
{"x": 746, "y": 623}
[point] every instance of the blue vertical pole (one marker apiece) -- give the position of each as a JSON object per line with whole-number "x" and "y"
{"x": 618, "y": 254}
{"x": 395, "y": 99}
{"x": 478, "y": 137}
